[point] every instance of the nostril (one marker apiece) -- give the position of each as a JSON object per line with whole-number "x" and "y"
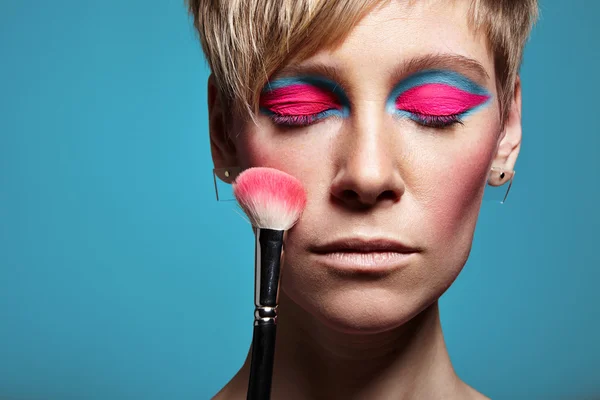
{"x": 349, "y": 195}
{"x": 387, "y": 195}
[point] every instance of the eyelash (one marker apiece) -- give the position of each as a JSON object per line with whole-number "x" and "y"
{"x": 430, "y": 121}
{"x": 436, "y": 121}
{"x": 300, "y": 120}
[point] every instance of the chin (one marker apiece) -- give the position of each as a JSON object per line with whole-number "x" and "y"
{"x": 363, "y": 309}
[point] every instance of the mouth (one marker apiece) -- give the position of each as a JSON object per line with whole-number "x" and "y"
{"x": 364, "y": 255}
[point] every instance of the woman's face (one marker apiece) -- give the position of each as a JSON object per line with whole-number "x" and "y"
{"x": 392, "y": 134}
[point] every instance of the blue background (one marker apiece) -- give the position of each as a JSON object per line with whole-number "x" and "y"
{"x": 121, "y": 277}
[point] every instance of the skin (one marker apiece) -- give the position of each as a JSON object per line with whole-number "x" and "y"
{"x": 361, "y": 335}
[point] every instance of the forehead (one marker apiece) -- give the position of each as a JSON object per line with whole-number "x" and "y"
{"x": 398, "y": 37}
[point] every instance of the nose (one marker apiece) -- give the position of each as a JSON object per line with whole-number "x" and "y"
{"x": 367, "y": 173}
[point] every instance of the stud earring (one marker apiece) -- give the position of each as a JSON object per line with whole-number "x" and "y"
{"x": 223, "y": 178}
{"x": 498, "y": 185}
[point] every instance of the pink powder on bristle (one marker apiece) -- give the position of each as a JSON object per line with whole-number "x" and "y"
{"x": 438, "y": 99}
{"x": 269, "y": 192}
{"x": 299, "y": 100}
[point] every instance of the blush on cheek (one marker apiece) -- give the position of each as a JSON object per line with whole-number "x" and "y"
{"x": 254, "y": 150}
{"x": 455, "y": 206}
{"x": 299, "y": 99}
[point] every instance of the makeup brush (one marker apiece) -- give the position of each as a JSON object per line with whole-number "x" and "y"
{"x": 273, "y": 201}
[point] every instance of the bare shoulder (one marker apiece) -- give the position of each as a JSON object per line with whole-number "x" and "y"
{"x": 224, "y": 394}
{"x": 229, "y": 392}
{"x": 235, "y": 389}
{"x": 473, "y": 394}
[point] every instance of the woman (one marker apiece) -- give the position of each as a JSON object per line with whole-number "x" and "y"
{"x": 393, "y": 114}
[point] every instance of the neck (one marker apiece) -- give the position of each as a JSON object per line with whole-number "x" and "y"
{"x": 313, "y": 361}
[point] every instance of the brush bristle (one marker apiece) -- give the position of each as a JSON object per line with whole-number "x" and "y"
{"x": 271, "y": 198}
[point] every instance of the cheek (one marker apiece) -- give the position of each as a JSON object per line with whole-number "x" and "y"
{"x": 454, "y": 204}
{"x": 295, "y": 153}
{"x": 253, "y": 151}
{"x": 259, "y": 146}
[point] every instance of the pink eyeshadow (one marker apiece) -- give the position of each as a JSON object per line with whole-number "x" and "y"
{"x": 299, "y": 100}
{"x": 438, "y": 99}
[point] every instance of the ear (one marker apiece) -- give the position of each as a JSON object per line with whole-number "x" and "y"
{"x": 222, "y": 147}
{"x": 509, "y": 143}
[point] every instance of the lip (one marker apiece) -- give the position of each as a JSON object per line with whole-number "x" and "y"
{"x": 363, "y": 245}
{"x": 364, "y": 255}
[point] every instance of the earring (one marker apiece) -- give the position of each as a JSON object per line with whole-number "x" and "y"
{"x": 223, "y": 178}
{"x": 498, "y": 180}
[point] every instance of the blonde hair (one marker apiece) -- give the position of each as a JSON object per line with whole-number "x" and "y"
{"x": 246, "y": 41}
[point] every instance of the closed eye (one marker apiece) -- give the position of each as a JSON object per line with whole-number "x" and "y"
{"x": 437, "y": 105}
{"x": 299, "y": 120}
{"x": 300, "y": 104}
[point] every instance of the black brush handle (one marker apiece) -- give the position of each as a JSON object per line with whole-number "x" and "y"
{"x": 261, "y": 366}
{"x": 269, "y": 244}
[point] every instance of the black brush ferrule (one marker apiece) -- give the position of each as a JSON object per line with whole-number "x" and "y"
{"x": 269, "y": 243}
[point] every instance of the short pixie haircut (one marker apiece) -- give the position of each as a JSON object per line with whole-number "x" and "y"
{"x": 246, "y": 41}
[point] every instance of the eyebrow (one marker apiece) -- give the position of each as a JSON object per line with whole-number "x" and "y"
{"x": 315, "y": 69}
{"x": 469, "y": 67}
